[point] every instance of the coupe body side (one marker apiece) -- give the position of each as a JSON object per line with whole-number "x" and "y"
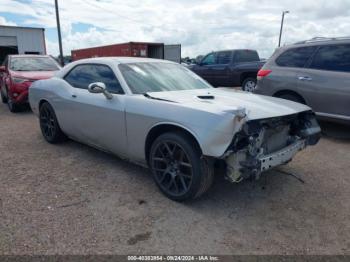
{"x": 160, "y": 114}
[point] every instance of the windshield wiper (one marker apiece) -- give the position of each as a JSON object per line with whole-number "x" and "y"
{"x": 156, "y": 98}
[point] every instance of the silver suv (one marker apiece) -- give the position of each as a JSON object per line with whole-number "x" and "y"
{"x": 314, "y": 72}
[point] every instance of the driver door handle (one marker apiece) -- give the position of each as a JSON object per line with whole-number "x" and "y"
{"x": 305, "y": 78}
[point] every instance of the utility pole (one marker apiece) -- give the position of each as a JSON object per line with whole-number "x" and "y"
{"x": 59, "y": 33}
{"x": 283, "y": 13}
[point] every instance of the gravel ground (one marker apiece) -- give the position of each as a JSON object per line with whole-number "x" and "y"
{"x": 72, "y": 199}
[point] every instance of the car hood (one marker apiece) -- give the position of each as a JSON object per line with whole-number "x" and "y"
{"x": 33, "y": 75}
{"x": 224, "y": 100}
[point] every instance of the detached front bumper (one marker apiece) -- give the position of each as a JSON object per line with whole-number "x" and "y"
{"x": 240, "y": 167}
{"x": 281, "y": 157}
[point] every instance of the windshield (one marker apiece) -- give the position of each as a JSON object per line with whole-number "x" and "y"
{"x": 33, "y": 64}
{"x": 156, "y": 77}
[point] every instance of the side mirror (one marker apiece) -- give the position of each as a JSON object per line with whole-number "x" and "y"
{"x": 99, "y": 88}
{"x": 2, "y": 69}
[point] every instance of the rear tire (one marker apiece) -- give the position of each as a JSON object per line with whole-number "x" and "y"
{"x": 178, "y": 168}
{"x": 249, "y": 84}
{"x": 49, "y": 125}
{"x": 291, "y": 97}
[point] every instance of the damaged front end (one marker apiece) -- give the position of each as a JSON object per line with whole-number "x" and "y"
{"x": 265, "y": 143}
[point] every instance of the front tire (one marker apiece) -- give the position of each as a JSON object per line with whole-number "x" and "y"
{"x": 249, "y": 84}
{"x": 49, "y": 125}
{"x": 3, "y": 96}
{"x": 13, "y": 107}
{"x": 178, "y": 168}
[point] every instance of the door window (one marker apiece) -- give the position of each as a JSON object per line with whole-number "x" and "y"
{"x": 209, "y": 59}
{"x": 246, "y": 56}
{"x": 224, "y": 58}
{"x": 333, "y": 58}
{"x": 83, "y": 75}
{"x": 296, "y": 57}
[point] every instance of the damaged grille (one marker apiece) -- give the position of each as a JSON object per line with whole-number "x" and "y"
{"x": 276, "y": 139}
{"x": 282, "y": 136}
{"x": 270, "y": 134}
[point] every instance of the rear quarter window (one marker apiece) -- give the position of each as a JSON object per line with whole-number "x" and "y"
{"x": 332, "y": 58}
{"x": 295, "y": 57}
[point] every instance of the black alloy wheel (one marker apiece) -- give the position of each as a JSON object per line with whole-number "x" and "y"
{"x": 49, "y": 124}
{"x": 177, "y": 168}
{"x": 172, "y": 167}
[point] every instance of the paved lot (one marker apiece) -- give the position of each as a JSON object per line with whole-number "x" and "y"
{"x": 72, "y": 199}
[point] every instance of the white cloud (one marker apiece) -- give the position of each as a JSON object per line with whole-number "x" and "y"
{"x": 199, "y": 25}
{"x": 3, "y": 21}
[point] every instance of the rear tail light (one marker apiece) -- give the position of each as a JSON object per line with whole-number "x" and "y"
{"x": 263, "y": 72}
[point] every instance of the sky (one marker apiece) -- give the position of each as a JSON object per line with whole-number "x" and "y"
{"x": 200, "y": 26}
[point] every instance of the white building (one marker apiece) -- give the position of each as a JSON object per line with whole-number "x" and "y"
{"x": 21, "y": 40}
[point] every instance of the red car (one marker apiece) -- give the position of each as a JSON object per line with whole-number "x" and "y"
{"x": 18, "y": 72}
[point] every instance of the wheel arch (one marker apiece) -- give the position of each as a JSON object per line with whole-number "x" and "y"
{"x": 161, "y": 128}
{"x": 41, "y": 102}
{"x": 246, "y": 75}
{"x": 291, "y": 92}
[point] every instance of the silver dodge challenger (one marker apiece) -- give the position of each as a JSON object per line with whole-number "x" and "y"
{"x": 160, "y": 114}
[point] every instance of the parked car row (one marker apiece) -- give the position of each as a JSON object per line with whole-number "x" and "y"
{"x": 162, "y": 115}
{"x": 315, "y": 72}
{"x": 165, "y": 116}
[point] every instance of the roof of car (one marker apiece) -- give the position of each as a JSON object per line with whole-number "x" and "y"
{"x": 123, "y": 60}
{"x": 312, "y": 42}
{"x": 326, "y": 40}
{"x": 110, "y": 60}
{"x": 29, "y": 55}
{"x": 234, "y": 50}
{"x": 317, "y": 42}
